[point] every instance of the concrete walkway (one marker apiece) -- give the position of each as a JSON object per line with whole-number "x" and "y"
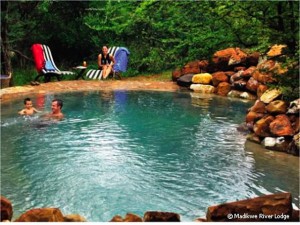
{"x": 7, "y": 94}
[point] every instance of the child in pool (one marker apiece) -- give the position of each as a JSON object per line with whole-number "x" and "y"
{"x": 29, "y": 109}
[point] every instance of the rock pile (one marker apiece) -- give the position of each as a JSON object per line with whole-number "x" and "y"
{"x": 274, "y": 123}
{"x": 234, "y": 73}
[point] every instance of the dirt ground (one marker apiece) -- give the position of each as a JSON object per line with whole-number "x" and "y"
{"x": 135, "y": 83}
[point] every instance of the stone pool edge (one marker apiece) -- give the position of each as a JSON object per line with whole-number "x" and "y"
{"x": 10, "y": 93}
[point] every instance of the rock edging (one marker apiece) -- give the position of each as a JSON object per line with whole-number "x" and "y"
{"x": 273, "y": 207}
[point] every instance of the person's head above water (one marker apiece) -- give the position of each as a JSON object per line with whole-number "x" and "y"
{"x": 27, "y": 102}
{"x": 56, "y": 106}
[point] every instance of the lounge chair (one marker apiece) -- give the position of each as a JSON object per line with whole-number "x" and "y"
{"x": 121, "y": 59}
{"x": 44, "y": 63}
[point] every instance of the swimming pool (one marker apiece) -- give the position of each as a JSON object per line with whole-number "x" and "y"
{"x": 135, "y": 151}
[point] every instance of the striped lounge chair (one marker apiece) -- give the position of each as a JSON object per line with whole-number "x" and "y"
{"x": 121, "y": 59}
{"x": 45, "y": 65}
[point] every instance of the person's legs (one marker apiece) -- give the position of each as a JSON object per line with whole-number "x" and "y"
{"x": 106, "y": 71}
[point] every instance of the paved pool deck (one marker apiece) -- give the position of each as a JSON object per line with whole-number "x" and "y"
{"x": 7, "y": 94}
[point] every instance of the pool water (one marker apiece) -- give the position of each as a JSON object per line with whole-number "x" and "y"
{"x": 117, "y": 152}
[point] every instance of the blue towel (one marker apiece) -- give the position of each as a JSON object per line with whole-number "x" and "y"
{"x": 49, "y": 66}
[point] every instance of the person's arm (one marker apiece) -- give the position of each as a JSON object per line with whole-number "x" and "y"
{"x": 112, "y": 59}
{"x": 99, "y": 61}
{"x": 35, "y": 110}
{"x": 22, "y": 112}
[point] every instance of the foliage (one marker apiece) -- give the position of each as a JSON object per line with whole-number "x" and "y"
{"x": 24, "y": 76}
{"x": 288, "y": 83}
{"x": 160, "y": 35}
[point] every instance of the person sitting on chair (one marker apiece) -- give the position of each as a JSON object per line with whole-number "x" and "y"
{"x": 105, "y": 62}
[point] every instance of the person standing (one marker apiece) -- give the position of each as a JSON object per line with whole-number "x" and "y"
{"x": 105, "y": 62}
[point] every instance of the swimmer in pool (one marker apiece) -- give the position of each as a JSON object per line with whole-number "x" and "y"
{"x": 56, "y": 107}
{"x": 29, "y": 109}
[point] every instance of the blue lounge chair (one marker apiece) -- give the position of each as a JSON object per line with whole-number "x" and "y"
{"x": 121, "y": 60}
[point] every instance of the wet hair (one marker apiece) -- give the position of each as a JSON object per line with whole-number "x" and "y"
{"x": 59, "y": 102}
{"x": 26, "y": 100}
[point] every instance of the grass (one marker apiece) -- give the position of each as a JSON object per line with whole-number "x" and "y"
{"x": 23, "y": 76}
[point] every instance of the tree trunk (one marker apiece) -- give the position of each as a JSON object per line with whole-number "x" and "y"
{"x": 6, "y": 61}
{"x": 280, "y": 23}
{"x": 293, "y": 42}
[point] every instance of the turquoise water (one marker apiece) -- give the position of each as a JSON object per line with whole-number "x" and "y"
{"x": 118, "y": 152}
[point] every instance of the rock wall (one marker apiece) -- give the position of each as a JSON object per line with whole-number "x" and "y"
{"x": 232, "y": 72}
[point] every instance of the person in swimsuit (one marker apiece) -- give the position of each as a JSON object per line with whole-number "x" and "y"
{"x": 105, "y": 62}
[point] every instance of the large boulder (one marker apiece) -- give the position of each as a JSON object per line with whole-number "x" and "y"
{"x": 261, "y": 89}
{"x": 154, "y": 216}
{"x": 281, "y": 126}
{"x": 270, "y": 95}
{"x": 277, "y": 107}
{"x": 248, "y": 72}
{"x": 185, "y": 80}
{"x": 202, "y": 88}
{"x": 237, "y": 57}
{"x": 247, "y": 95}
{"x": 294, "y": 107}
{"x": 219, "y": 77}
{"x": 202, "y": 78}
{"x": 42, "y": 215}
{"x": 236, "y": 76}
{"x": 262, "y": 127}
{"x": 234, "y": 94}
{"x": 6, "y": 209}
{"x": 231, "y": 56}
{"x": 276, "y": 50}
{"x": 274, "y": 207}
{"x": 263, "y": 77}
{"x": 258, "y": 107}
{"x": 191, "y": 67}
{"x": 253, "y": 116}
{"x": 252, "y": 85}
{"x": 241, "y": 94}
{"x": 265, "y": 72}
{"x": 223, "y": 88}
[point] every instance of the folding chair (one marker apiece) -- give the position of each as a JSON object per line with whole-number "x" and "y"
{"x": 121, "y": 59}
{"x": 44, "y": 63}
